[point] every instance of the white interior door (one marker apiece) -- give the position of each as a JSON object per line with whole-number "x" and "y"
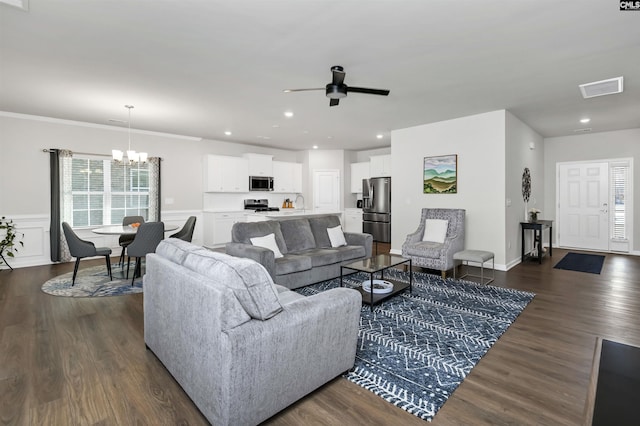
{"x": 583, "y": 209}
{"x": 326, "y": 190}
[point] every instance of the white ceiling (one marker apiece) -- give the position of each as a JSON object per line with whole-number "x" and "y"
{"x": 198, "y": 68}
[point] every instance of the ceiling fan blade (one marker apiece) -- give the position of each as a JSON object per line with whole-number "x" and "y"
{"x": 338, "y": 75}
{"x": 382, "y": 92}
{"x": 302, "y": 90}
{"x": 334, "y": 102}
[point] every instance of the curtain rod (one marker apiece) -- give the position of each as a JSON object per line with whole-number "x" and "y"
{"x": 46, "y": 150}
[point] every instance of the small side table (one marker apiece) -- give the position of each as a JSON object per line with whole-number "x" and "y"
{"x": 537, "y": 227}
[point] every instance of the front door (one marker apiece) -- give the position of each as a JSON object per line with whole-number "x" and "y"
{"x": 583, "y": 209}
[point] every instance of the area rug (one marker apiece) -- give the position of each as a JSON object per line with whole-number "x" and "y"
{"x": 591, "y": 263}
{"x": 415, "y": 348}
{"x": 93, "y": 282}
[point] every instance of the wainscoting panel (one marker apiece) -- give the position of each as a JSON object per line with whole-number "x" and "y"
{"x": 35, "y": 230}
{"x": 36, "y": 250}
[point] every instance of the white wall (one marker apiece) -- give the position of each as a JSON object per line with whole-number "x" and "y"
{"x": 591, "y": 147}
{"x": 524, "y": 148}
{"x": 24, "y": 172}
{"x": 479, "y": 142}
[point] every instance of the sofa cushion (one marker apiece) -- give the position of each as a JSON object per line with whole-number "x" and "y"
{"x": 175, "y": 249}
{"x": 319, "y": 227}
{"x": 350, "y": 252}
{"x": 435, "y": 230}
{"x": 250, "y": 282}
{"x": 268, "y": 242}
{"x": 288, "y": 297}
{"x": 297, "y": 234}
{"x": 425, "y": 249}
{"x": 292, "y": 263}
{"x": 242, "y": 232}
{"x": 321, "y": 257}
{"x": 336, "y": 236}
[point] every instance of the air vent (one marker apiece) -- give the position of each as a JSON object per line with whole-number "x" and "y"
{"x": 586, "y": 129}
{"x": 601, "y": 88}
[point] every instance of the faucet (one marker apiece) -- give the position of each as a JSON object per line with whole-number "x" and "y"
{"x": 296, "y": 201}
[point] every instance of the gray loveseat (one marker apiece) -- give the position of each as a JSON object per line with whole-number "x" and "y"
{"x": 308, "y": 256}
{"x": 240, "y": 346}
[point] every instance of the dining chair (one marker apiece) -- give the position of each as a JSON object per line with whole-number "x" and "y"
{"x": 186, "y": 233}
{"x": 80, "y": 248}
{"x": 127, "y": 239}
{"x": 147, "y": 239}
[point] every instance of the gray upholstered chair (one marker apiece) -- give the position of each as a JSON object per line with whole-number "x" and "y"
{"x": 435, "y": 254}
{"x": 186, "y": 233}
{"x": 147, "y": 239}
{"x": 127, "y": 239}
{"x": 80, "y": 248}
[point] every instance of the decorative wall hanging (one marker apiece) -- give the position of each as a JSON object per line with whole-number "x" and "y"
{"x": 440, "y": 174}
{"x": 526, "y": 185}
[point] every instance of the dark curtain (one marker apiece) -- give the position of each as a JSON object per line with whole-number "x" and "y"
{"x": 54, "y": 227}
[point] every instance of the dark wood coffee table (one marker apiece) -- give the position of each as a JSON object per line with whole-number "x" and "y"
{"x": 373, "y": 265}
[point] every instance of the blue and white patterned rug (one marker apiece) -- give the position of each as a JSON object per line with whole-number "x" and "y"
{"x": 415, "y": 348}
{"x": 93, "y": 282}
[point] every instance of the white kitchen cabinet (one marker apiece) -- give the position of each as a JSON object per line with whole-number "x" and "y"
{"x": 353, "y": 220}
{"x": 359, "y": 171}
{"x": 226, "y": 174}
{"x": 287, "y": 177}
{"x": 380, "y": 165}
{"x": 260, "y": 164}
{"x": 217, "y": 226}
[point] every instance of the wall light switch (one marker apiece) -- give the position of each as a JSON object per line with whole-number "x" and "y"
{"x": 168, "y": 201}
{"x": 508, "y": 202}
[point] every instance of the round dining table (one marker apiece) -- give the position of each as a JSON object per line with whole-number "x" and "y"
{"x": 126, "y": 229}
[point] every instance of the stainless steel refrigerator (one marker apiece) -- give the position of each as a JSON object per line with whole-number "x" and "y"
{"x": 376, "y": 208}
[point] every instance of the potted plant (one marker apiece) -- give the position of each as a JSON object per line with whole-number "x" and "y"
{"x": 9, "y": 243}
{"x": 533, "y": 214}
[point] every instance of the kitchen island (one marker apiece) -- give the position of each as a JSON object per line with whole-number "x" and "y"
{"x": 284, "y": 214}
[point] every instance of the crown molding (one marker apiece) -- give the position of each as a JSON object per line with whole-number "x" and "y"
{"x": 93, "y": 125}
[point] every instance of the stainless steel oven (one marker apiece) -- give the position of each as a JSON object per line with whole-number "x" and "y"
{"x": 260, "y": 183}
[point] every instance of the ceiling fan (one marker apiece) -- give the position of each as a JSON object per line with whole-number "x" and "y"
{"x": 337, "y": 89}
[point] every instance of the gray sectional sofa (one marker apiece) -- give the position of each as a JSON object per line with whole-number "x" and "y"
{"x": 240, "y": 346}
{"x": 308, "y": 255}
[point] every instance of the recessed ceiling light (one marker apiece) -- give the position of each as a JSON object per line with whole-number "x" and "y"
{"x": 288, "y": 114}
{"x": 228, "y": 133}
{"x": 275, "y": 126}
{"x": 315, "y": 147}
{"x": 379, "y": 136}
{"x": 329, "y": 137}
{"x": 585, "y": 120}
{"x": 306, "y": 132}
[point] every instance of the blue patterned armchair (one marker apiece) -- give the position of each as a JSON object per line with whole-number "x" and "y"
{"x": 443, "y": 239}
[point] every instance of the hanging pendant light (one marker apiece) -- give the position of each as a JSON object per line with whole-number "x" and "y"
{"x": 132, "y": 156}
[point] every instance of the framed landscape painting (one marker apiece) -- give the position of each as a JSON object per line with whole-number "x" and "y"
{"x": 440, "y": 174}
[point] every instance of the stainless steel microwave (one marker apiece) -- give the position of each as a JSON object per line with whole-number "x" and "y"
{"x": 260, "y": 183}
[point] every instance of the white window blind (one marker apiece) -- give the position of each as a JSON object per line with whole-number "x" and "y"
{"x": 104, "y": 192}
{"x": 619, "y": 189}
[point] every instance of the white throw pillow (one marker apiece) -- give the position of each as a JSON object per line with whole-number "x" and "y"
{"x": 336, "y": 236}
{"x": 435, "y": 230}
{"x": 269, "y": 242}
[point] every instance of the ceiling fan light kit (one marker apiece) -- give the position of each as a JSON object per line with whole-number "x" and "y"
{"x": 337, "y": 90}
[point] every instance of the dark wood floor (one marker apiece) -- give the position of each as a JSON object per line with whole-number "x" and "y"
{"x": 83, "y": 361}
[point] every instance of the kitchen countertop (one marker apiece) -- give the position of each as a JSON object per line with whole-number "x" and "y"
{"x": 287, "y": 214}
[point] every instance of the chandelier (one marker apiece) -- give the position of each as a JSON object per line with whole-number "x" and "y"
{"x": 132, "y": 156}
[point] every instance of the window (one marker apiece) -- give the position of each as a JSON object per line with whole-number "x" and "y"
{"x": 104, "y": 192}
{"x": 619, "y": 191}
